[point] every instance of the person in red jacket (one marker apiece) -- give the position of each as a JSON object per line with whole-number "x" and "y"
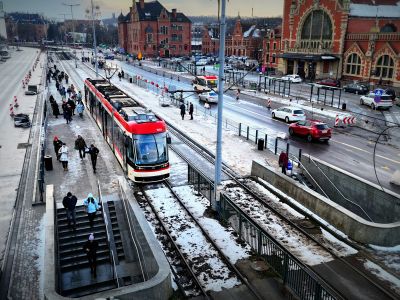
{"x": 283, "y": 161}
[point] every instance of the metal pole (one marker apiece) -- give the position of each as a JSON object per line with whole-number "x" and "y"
{"x": 73, "y": 26}
{"x": 218, "y": 161}
{"x": 94, "y": 42}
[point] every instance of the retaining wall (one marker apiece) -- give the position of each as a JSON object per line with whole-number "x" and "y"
{"x": 355, "y": 227}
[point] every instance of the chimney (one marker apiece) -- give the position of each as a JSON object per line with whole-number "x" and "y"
{"x": 174, "y": 12}
{"x": 141, "y": 4}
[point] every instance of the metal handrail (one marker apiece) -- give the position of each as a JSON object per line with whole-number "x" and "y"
{"x": 112, "y": 256}
{"x": 56, "y": 237}
{"x": 340, "y": 193}
{"x": 132, "y": 234}
{"x": 304, "y": 168}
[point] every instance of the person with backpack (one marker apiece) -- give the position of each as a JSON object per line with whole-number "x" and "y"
{"x": 92, "y": 205}
{"x": 64, "y": 156}
{"x": 80, "y": 145}
{"x": 93, "y": 151}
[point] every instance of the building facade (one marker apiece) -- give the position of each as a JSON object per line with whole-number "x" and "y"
{"x": 210, "y": 40}
{"x": 152, "y": 31}
{"x": 350, "y": 39}
{"x": 26, "y": 27}
{"x": 3, "y": 31}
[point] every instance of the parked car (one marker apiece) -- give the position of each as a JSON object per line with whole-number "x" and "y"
{"x": 391, "y": 93}
{"x": 201, "y": 62}
{"x": 356, "y": 88}
{"x": 377, "y": 100}
{"x": 22, "y": 120}
{"x": 210, "y": 97}
{"x": 289, "y": 114}
{"x": 293, "y": 78}
{"x": 329, "y": 82}
{"x": 228, "y": 69}
{"x": 311, "y": 129}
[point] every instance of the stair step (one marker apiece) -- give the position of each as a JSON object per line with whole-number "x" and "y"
{"x": 81, "y": 229}
{"x": 84, "y": 264}
{"x": 81, "y": 257}
{"x": 76, "y": 249}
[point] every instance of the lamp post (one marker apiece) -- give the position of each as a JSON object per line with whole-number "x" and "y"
{"x": 93, "y": 12}
{"x": 73, "y": 26}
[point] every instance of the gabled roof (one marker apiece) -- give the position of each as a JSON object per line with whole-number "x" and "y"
{"x": 26, "y": 18}
{"x": 150, "y": 12}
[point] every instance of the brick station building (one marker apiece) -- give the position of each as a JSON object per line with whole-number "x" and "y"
{"x": 348, "y": 39}
{"x": 150, "y": 29}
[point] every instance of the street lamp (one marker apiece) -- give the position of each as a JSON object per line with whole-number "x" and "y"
{"x": 93, "y": 12}
{"x": 73, "y": 27}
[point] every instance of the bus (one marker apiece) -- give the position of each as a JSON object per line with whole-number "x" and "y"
{"x": 205, "y": 83}
{"x": 137, "y": 137}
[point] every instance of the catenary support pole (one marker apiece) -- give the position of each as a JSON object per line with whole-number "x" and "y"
{"x": 94, "y": 41}
{"x": 218, "y": 161}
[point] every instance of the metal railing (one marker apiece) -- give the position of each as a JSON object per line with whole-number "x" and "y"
{"x": 112, "y": 254}
{"x": 201, "y": 183}
{"x": 340, "y": 193}
{"x": 300, "y": 279}
{"x": 57, "y": 248}
{"x": 133, "y": 233}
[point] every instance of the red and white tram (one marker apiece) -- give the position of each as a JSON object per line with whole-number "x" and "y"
{"x": 136, "y": 135}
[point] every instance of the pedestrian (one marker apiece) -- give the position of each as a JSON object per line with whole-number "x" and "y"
{"x": 90, "y": 248}
{"x": 69, "y": 203}
{"x": 119, "y": 76}
{"x": 122, "y": 74}
{"x": 57, "y": 85}
{"x": 80, "y": 145}
{"x": 93, "y": 151}
{"x": 79, "y": 96}
{"x": 55, "y": 108}
{"x": 64, "y": 156}
{"x": 68, "y": 113}
{"x": 206, "y": 108}
{"x": 72, "y": 104}
{"x": 57, "y": 144}
{"x": 69, "y": 92}
{"x": 237, "y": 94}
{"x": 191, "y": 108}
{"x": 283, "y": 161}
{"x": 66, "y": 78}
{"x": 92, "y": 205}
{"x": 80, "y": 108}
{"x": 183, "y": 110}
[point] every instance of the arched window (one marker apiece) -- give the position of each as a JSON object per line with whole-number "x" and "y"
{"x": 353, "y": 64}
{"x": 389, "y": 28}
{"x": 317, "y": 26}
{"x": 384, "y": 67}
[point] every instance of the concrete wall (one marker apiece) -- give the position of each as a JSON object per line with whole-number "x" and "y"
{"x": 349, "y": 223}
{"x": 381, "y": 207}
{"x": 156, "y": 287}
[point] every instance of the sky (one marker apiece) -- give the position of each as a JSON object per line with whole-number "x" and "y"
{"x": 55, "y": 8}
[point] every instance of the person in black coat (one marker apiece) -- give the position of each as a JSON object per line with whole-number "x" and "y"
{"x": 191, "y": 109}
{"x": 183, "y": 110}
{"x": 90, "y": 248}
{"x": 71, "y": 103}
{"x": 55, "y": 108}
{"x": 57, "y": 145}
{"x": 93, "y": 151}
{"x": 69, "y": 203}
{"x": 68, "y": 113}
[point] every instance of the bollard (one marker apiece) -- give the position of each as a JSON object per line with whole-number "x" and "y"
{"x": 287, "y": 148}
{"x": 299, "y": 154}
{"x": 276, "y": 146}
{"x": 248, "y": 129}
{"x": 240, "y": 129}
{"x": 265, "y": 142}
{"x": 256, "y": 135}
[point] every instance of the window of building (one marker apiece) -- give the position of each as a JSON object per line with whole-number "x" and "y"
{"x": 389, "y": 28}
{"x": 273, "y": 58}
{"x": 274, "y": 46}
{"x": 317, "y": 26}
{"x": 149, "y": 37}
{"x": 353, "y": 64}
{"x": 164, "y": 30}
{"x": 384, "y": 67}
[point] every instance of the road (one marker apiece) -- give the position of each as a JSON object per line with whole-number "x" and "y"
{"x": 350, "y": 149}
{"x": 13, "y": 141}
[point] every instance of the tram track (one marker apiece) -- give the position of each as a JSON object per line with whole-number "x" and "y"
{"x": 201, "y": 267}
{"x": 206, "y": 154}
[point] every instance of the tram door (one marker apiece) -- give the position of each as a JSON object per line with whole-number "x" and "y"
{"x": 105, "y": 127}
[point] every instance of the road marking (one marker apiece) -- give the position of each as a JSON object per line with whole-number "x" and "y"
{"x": 362, "y": 150}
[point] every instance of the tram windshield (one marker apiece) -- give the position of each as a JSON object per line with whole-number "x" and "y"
{"x": 151, "y": 148}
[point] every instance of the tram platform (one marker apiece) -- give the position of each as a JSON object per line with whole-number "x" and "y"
{"x": 130, "y": 261}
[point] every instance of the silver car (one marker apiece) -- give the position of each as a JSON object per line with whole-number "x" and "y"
{"x": 289, "y": 114}
{"x": 210, "y": 97}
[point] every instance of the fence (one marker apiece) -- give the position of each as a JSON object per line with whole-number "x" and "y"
{"x": 303, "y": 282}
{"x": 201, "y": 183}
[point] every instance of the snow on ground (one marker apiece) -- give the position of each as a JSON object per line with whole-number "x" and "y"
{"x": 215, "y": 274}
{"x": 39, "y": 252}
{"x": 382, "y": 274}
{"x": 300, "y": 246}
{"x": 389, "y": 255}
{"x": 224, "y": 237}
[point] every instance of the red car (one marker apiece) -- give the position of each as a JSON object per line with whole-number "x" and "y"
{"x": 312, "y": 129}
{"x": 329, "y": 82}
